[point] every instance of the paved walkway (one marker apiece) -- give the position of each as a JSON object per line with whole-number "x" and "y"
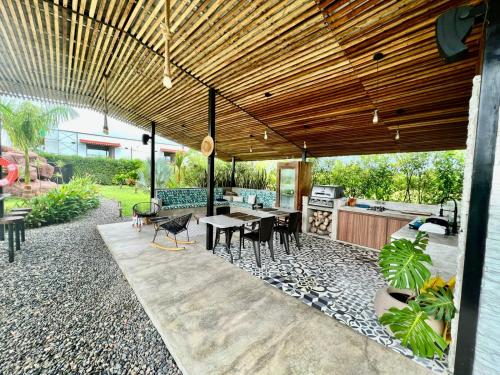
{"x": 217, "y": 319}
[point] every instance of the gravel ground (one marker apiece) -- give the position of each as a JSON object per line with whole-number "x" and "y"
{"x": 65, "y": 307}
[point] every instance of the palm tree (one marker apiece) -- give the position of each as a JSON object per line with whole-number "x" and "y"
{"x": 27, "y": 123}
{"x": 179, "y": 167}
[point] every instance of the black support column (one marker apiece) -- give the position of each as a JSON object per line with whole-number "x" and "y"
{"x": 482, "y": 174}
{"x": 304, "y": 154}
{"x": 153, "y": 159}
{"x": 211, "y": 167}
{"x": 233, "y": 171}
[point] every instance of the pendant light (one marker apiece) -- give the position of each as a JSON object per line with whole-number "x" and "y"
{"x": 105, "y": 128}
{"x": 167, "y": 35}
{"x": 377, "y": 57}
{"x": 251, "y": 149}
{"x": 267, "y": 95}
{"x": 399, "y": 112}
{"x": 305, "y": 136}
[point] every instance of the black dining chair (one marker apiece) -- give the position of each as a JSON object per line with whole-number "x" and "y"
{"x": 287, "y": 229}
{"x": 262, "y": 234}
{"x": 228, "y": 232}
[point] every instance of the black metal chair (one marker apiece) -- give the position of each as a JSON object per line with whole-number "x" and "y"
{"x": 262, "y": 234}
{"x": 289, "y": 227}
{"x": 174, "y": 226}
{"x": 144, "y": 210}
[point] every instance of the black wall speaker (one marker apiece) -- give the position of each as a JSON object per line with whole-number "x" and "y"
{"x": 451, "y": 29}
{"x": 145, "y": 138}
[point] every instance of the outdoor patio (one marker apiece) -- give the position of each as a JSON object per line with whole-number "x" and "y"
{"x": 179, "y": 291}
{"x": 251, "y": 81}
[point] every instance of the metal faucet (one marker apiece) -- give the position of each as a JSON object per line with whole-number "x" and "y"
{"x": 454, "y": 228}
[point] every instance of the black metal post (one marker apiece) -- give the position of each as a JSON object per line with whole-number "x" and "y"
{"x": 233, "y": 171}
{"x": 482, "y": 173}
{"x": 211, "y": 166}
{"x": 153, "y": 159}
{"x": 304, "y": 154}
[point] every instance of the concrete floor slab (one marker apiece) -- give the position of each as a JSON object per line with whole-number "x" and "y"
{"x": 217, "y": 319}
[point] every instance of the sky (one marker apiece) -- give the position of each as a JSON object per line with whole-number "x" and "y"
{"x": 90, "y": 121}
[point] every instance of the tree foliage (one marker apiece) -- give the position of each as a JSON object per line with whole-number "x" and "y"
{"x": 27, "y": 123}
{"x": 424, "y": 177}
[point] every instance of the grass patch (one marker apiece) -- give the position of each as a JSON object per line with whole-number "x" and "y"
{"x": 15, "y": 202}
{"x": 127, "y": 195}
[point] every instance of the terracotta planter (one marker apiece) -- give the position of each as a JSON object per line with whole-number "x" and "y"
{"x": 384, "y": 301}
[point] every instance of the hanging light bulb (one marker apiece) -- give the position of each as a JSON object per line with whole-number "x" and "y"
{"x": 251, "y": 149}
{"x": 305, "y": 145}
{"x": 377, "y": 57}
{"x": 167, "y": 81}
{"x": 396, "y": 137}
{"x": 105, "y": 128}
{"x": 375, "y": 117}
{"x": 167, "y": 35}
{"x": 265, "y": 135}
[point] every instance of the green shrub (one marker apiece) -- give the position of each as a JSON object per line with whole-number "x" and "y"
{"x": 63, "y": 203}
{"x": 102, "y": 170}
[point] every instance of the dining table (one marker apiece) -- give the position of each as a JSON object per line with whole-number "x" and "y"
{"x": 241, "y": 218}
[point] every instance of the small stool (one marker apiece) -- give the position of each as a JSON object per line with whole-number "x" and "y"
{"x": 18, "y": 212}
{"x": 12, "y": 222}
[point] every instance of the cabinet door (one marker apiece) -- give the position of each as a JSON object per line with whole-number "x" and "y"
{"x": 393, "y": 225}
{"x": 343, "y": 226}
{"x": 377, "y": 232}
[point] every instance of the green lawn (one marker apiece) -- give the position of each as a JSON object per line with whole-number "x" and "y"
{"x": 13, "y": 202}
{"x": 126, "y": 195}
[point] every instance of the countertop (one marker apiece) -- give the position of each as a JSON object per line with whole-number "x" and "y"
{"x": 386, "y": 213}
{"x": 434, "y": 239}
{"x": 406, "y": 232}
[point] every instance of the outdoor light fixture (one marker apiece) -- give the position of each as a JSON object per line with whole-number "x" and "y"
{"x": 399, "y": 112}
{"x": 167, "y": 35}
{"x": 251, "y": 149}
{"x": 105, "y": 128}
{"x": 305, "y": 136}
{"x": 377, "y": 57}
{"x": 375, "y": 117}
{"x": 265, "y": 135}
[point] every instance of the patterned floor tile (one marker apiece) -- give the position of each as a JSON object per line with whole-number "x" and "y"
{"x": 338, "y": 279}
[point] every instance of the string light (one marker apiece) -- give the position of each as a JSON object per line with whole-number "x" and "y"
{"x": 105, "y": 128}
{"x": 377, "y": 57}
{"x": 375, "y": 117}
{"x": 167, "y": 35}
{"x": 265, "y": 135}
{"x": 396, "y": 137}
{"x": 305, "y": 145}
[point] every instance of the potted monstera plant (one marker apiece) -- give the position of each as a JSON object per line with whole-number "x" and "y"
{"x": 415, "y": 307}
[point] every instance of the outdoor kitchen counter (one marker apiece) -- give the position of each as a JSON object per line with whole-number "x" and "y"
{"x": 386, "y": 213}
{"x": 442, "y": 249}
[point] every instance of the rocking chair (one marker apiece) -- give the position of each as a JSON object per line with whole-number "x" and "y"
{"x": 173, "y": 226}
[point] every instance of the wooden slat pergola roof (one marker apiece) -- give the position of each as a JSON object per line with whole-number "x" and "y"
{"x": 314, "y": 56}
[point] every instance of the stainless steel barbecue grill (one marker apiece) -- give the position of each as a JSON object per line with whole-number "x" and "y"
{"x": 324, "y": 195}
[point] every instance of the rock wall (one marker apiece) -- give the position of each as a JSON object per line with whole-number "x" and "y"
{"x": 40, "y": 172}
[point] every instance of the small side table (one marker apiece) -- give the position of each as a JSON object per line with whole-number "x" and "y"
{"x": 13, "y": 223}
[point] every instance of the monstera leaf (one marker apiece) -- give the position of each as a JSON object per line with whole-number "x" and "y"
{"x": 409, "y": 325}
{"x": 402, "y": 262}
{"x": 438, "y": 303}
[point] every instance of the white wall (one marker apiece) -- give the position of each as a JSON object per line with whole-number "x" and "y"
{"x": 487, "y": 356}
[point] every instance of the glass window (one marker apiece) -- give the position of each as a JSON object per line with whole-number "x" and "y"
{"x": 97, "y": 151}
